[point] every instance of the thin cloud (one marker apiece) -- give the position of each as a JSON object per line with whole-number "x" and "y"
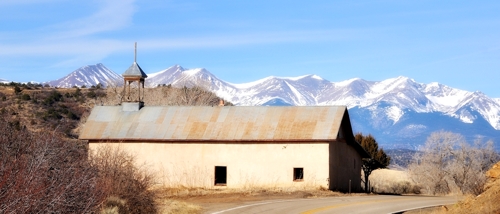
{"x": 262, "y": 38}
{"x": 72, "y": 39}
{"x": 24, "y": 2}
{"x": 83, "y": 46}
{"x": 112, "y": 15}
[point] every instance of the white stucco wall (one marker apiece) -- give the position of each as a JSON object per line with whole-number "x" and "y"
{"x": 249, "y": 165}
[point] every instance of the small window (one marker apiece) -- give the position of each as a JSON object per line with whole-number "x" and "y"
{"x": 220, "y": 175}
{"x": 298, "y": 174}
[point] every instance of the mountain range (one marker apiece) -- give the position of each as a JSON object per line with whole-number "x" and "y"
{"x": 399, "y": 112}
{"x": 88, "y": 75}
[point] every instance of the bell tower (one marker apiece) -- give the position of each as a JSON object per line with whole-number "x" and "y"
{"x": 133, "y": 74}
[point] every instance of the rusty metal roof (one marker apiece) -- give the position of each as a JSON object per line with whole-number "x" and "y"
{"x": 205, "y": 123}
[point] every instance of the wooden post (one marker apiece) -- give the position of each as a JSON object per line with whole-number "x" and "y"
{"x": 349, "y": 186}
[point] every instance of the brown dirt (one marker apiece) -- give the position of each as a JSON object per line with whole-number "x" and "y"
{"x": 488, "y": 201}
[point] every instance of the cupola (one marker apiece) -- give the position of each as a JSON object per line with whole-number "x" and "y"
{"x": 133, "y": 74}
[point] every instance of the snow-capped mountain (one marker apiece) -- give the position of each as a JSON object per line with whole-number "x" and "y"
{"x": 401, "y": 93}
{"x": 179, "y": 76}
{"x": 497, "y": 100}
{"x": 4, "y": 81}
{"x": 88, "y": 75}
{"x": 398, "y": 110}
{"x": 167, "y": 76}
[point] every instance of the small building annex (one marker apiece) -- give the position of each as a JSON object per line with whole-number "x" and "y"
{"x": 232, "y": 146}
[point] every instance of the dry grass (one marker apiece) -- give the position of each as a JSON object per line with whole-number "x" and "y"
{"x": 389, "y": 181}
{"x": 198, "y": 200}
{"x": 170, "y": 206}
{"x": 187, "y": 193}
{"x": 430, "y": 210}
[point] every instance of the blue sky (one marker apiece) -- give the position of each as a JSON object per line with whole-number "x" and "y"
{"x": 456, "y": 43}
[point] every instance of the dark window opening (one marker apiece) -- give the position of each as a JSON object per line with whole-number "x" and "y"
{"x": 298, "y": 174}
{"x": 220, "y": 175}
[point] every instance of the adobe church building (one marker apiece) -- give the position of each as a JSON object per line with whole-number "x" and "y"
{"x": 233, "y": 146}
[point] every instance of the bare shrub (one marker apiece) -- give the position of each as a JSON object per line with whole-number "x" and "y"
{"x": 194, "y": 96}
{"x": 447, "y": 162}
{"x": 114, "y": 205}
{"x": 114, "y": 93}
{"x": 127, "y": 186}
{"x": 187, "y": 93}
{"x": 406, "y": 187}
{"x": 42, "y": 173}
{"x": 402, "y": 187}
{"x": 389, "y": 181}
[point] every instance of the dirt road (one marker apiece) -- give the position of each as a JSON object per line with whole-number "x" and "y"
{"x": 346, "y": 204}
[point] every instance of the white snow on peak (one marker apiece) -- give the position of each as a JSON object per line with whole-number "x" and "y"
{"x": 389, "y": 84}
{"x": 302, "y": 77}
{"x": 448, "y": 101}
{"x": 192, "y": 72}
{"x": 294, "y": 78}
{"x": 156, "y": 73}
{"x": 316, "y": 77}
{"x": 176, "y": 67}
{"x": 394, "y": 113}
{"x": 263, "y": 80}
{"x": 497, "y": 100}
{"x": 466, "y": 117}
{"x": 346, "y": 82}
{"x": 443, "y": 96}
{"x": 301, "y": 100}
{"x": 434, "y": 85}
{"x": 251, "y": 84}
{"x": 88, "y": 75}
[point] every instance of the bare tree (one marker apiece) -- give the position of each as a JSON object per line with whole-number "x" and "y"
{"x": 447, "y": 161}
{"x": 429, "y": 167}
{"x": 114, "y": 93}
{"x": 185, "y": 92}
{"x": 470, "y": 165}
{"x": 194, "y": 92}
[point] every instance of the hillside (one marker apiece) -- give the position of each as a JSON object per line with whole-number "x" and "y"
{"x": 487, "y": 202}
{"x": 38, "y": 108}
{"x": 65, "y": 109}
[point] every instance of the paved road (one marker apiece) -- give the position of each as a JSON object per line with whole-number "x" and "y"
{"x": 349, "y": 204}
